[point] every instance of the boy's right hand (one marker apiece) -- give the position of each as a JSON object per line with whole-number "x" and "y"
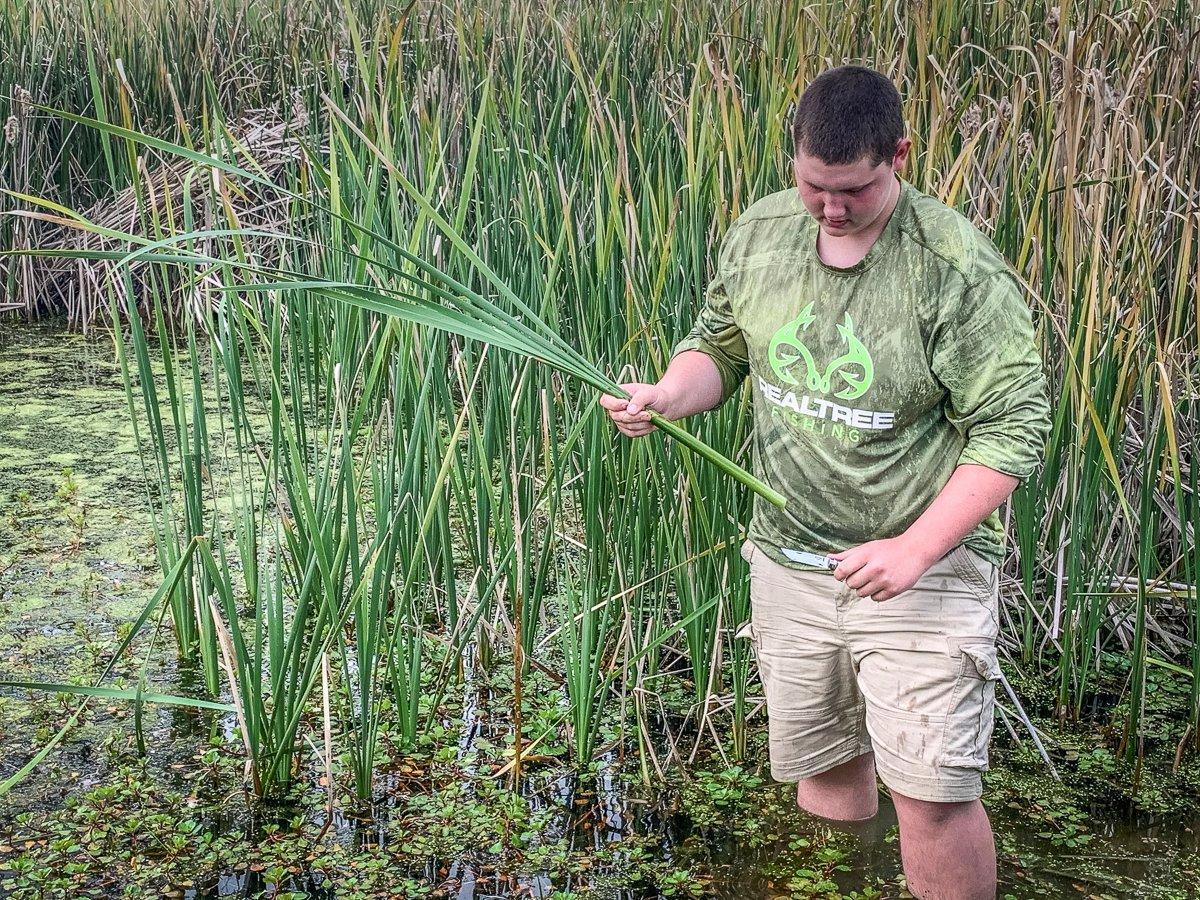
{"x": 631, "y": 416}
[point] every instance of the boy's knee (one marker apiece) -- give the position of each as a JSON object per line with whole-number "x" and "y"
{"x": 845, "y": 793}
{"x": 842, "y": 806}
{"x": 934, "y": 814}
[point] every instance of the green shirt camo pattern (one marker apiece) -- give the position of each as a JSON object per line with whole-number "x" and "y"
{"x": 872, "y": 383}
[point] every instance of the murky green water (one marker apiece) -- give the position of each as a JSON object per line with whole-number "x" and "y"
{"x": 77, "y": 563}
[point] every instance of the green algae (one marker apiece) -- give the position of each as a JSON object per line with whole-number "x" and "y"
{"x": 77, "y": 555}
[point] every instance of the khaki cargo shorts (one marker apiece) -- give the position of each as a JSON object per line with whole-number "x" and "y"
{"x": 911, "y": 678}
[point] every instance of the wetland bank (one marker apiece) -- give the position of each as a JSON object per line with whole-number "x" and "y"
{"x": 347, "y": 606}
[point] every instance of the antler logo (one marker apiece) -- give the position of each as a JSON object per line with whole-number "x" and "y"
{"x": 851, "y": 373}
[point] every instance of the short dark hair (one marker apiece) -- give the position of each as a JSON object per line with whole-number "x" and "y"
{"x": 847, "y": 113}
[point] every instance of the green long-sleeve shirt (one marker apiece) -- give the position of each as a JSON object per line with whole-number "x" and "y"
{"x": 872, "y": 383}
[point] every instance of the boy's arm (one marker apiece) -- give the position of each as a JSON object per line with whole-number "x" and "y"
{"x": 986, "y": 357}
{"x": 882, "y": 569}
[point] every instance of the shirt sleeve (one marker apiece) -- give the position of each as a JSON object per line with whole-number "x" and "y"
{"x": 716, "y": 334}
{"x": 985, "y": 357}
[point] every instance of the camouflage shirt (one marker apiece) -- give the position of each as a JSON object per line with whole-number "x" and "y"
{"x": 872, "y": 383}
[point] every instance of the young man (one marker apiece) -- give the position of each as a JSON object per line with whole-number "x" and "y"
{"x": 898, "y": 400}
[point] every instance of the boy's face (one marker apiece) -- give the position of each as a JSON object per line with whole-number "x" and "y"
{"x": 847, "y": 199}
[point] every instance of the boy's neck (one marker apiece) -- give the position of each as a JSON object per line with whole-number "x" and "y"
{"x": 843, "y": 251}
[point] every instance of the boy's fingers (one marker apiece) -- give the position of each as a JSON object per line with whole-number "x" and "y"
{"x": 632, "y": 414}
{"x": 869, "y": 589}
{"x": 642, "y": 398}
{"x": 630, "y": 417}
{"x": 635, "y": 429}
{"x": 846, "y": 567}
{"x": 862, "y": 576}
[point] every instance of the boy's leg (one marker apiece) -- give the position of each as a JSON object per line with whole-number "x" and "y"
{"x": 927, "y": 669}
{"x": 815, "y": 711}
{"x": 845, "y": 793}
{"x": 947, "y": 849}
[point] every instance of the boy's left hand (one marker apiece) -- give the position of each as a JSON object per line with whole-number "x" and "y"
{"x": 879, "y": 570}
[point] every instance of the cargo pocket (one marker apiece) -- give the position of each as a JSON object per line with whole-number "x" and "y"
{"x": 969, "y": 721}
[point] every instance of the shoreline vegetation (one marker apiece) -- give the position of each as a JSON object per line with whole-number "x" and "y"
{"x": 321, "y": 252}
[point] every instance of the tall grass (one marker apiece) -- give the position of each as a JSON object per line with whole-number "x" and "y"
{"x": 377, "y": 491}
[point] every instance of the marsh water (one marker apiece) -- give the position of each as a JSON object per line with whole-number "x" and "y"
{"x": 77, "y": 562}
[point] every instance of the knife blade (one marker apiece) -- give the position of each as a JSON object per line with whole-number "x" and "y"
{"x": 809, "y": 559}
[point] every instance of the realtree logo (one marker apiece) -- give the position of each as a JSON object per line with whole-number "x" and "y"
{"x": 853, "y": 368}
{"x": 848, "y": 376}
